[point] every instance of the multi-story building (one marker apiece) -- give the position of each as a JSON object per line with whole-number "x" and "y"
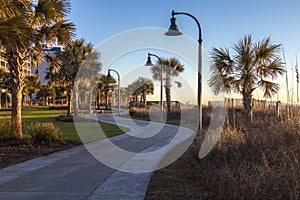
{"x": 43, "y": 67}
{"x": 3, "y": 62}
{"x": 40, "y": 71}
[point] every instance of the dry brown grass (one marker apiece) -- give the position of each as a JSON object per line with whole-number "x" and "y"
{"x": 266, "y": 166}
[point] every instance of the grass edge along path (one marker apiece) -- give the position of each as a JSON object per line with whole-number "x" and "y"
{"x": 13, "y": 152}
{"x": 42, "y": 114}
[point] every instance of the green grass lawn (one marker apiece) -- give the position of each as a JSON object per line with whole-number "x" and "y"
{"x": 90, "y": 131}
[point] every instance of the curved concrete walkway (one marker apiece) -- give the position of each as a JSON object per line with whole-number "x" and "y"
{"x": 75, "y": 174}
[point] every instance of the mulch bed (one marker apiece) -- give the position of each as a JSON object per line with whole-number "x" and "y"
{"x": 16, "y": 151}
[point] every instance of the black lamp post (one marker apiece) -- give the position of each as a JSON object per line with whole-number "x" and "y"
{"x": 119, "y": 95}
{"x": 149, "y": 63}
{"x": 174, "y": 31}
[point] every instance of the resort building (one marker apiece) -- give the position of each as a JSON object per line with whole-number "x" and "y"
{"x": 43, "y": 67}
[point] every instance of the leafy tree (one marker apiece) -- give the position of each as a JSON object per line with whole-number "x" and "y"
{"x": 25, "y": 26}
{"x": 30, "y": 86}
{"x": 171, "y": 68}
{"x": 252, "y": 66}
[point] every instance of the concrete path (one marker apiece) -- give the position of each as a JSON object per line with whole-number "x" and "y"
{"x": 76, "y": 174}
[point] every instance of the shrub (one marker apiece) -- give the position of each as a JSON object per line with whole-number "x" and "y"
{"x": 58, "y": 108}
{"x": 5, "y": 129}
{"x": 65, "y": 118}
{"x": 45, "y": 133}
{"x": 136, "y": 112}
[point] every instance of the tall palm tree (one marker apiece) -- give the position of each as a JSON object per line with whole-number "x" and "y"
{"x": 65, "y": 66}
{"x": 252, "y": 66}
{"x": 28, "y": 25}
{"x": 88, "y": 77}
{"x": 171, "y": 68}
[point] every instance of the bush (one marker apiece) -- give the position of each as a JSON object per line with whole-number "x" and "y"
{"x": 58, "y": 108}
{"x": 65, "y": 118}
{"x": 136, "y": 112}
{"x": 45, "y": 133}
{"x": 5, "y": 129}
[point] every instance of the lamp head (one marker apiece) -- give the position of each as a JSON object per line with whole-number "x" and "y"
{"x": 179, "y": 84}
{"x": 173, "y": 30}
{"x": 149, "y": 62}
{"x": 108, "y": 74}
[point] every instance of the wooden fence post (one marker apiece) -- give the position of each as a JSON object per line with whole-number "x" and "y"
{"x": 233, "y": 112}
{"x": 278, "y": 108}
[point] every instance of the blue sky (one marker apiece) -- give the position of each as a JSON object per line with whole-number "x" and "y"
{"x": 223, "y": 22}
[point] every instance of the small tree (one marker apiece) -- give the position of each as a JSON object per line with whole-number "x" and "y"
{"x": 46, "y": 92}
{"x": 253, "y": 66}
{"x": 141, "y": 87}
{"x": 109, "y": 86}
{"x": 4, "y": 83}
{"x": 31, "y": 85}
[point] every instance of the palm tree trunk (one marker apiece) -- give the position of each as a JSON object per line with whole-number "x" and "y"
{"x": 75, "y": 102}
{"x": 30, "y": 100}
{"x": 144, "y": 98}
{"x": 90, "y": 102}
{"x": 16, "y": 92}
{"x": 69, "y": 101}
{"x": 168, "y": 94}
{"x": 99, "y": 99}
{"x": 106, "y": 99}
{"x": 247, "y": 101}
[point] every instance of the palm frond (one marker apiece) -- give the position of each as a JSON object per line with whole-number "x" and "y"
{"x": 269, "y": 88}
{"x": 49, "y": 12}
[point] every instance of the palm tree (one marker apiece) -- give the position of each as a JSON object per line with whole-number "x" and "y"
{"x": 171, "y": 68}
{"x": 46, "y": 92}
{"x": 25, "y": 26}
{"x": 13, "y": 19}
{"x": 141, "y": 87}
{"x": 30, "y": 86}
{"x": 103, "y": 85}
{"x": 253, "y": 66}
{"x": 109, "y": 86}
{"x": 88, "y": 76}
{"x": 65, "y": 66}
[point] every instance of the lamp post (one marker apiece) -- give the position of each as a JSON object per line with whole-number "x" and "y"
{"x": 119, "y": 94}
{"x": 174, "y": 31}
{"x": 149, "y": 63}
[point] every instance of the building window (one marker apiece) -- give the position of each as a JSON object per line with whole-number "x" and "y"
{"x": 2, "y": 64}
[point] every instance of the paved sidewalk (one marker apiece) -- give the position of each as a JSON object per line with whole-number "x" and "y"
{"x": 75, "y": 174}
